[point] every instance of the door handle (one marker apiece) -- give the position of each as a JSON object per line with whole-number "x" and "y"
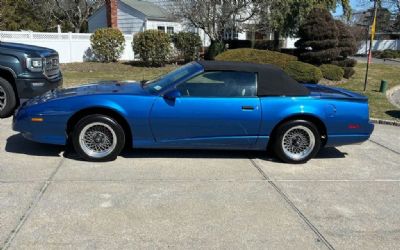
{"x": 247, "y": 108}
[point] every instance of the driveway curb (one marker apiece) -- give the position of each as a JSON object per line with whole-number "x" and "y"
{"x": 386, "y": 122}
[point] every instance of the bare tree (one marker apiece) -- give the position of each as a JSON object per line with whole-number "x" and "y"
{"x": 215, "y": 16}
{"x": 75, "y": 13}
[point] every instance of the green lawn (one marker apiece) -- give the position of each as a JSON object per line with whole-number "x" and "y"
{"x": 79, "y": 73}
{"x": 379, "y": 105}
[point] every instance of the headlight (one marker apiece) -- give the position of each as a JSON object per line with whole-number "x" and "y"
{"x": 35, "y": 64}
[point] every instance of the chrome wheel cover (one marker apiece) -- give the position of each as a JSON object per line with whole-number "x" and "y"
{"x": 3, "y": 98}
{"x": 98, "y": 140}
{"x": 298, "y": 143}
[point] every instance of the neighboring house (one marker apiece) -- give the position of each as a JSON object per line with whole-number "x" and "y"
{"x": 132, "y": 16}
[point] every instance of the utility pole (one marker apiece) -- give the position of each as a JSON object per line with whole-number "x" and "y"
{"x": 371, "y": 42}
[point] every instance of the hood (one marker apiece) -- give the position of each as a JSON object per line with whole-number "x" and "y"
{"x": 101, "y": 88}
{"x": 28, "y": 49}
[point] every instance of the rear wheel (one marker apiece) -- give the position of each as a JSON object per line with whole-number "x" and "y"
{"x": 8, "y": 100}
{"x": 98, "y": 138}
{"x": 297, "y": 141}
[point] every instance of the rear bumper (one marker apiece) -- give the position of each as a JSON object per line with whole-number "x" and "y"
{"x": 339, "y": 140}
{"x": 31, "y": 87}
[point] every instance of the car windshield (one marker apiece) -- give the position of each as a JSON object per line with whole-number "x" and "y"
{"x": 159, "y": 84}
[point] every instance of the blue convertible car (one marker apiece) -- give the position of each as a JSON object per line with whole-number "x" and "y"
{"x": 202, "y": 105}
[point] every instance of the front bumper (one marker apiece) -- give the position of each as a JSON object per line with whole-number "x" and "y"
{"x": 31, "y": 87}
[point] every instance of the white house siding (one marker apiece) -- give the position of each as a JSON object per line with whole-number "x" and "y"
{"x": 130, "y": 20}
{"x": 98, "y": 20}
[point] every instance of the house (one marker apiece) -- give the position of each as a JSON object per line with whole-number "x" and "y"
{"x": 132, "y": 16}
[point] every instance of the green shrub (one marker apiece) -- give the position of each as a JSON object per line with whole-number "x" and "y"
{"x": 389, "y": 53}
{"x": 332, "y": 72}
{"x": 257, "y": 56}
{"x": 107, "y": 44}
{"x": 188, "y": 44}
{"x": 304, "y": 72}
{"x": 318, "y": 32}
{"x": 214, "y": 50}
{"x": 348, "y": 72}
{"x": 348, "y": 62}
{"x": 152, "y": 46}
{"x": 267, "y": 44}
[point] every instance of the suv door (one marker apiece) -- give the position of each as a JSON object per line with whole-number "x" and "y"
{"x": 217, "y": 109}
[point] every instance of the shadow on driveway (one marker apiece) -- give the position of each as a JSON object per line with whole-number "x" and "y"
{"x": 17, "y": 144}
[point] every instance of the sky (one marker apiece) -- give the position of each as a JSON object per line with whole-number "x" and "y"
{"x": 356, "y": 5}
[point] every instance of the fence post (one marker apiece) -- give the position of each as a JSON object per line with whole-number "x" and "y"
{"x": 70, "y": 46}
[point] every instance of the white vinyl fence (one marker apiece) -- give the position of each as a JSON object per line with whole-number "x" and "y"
{"x": 379, "y": 45}
{"x": 71, "y": 47}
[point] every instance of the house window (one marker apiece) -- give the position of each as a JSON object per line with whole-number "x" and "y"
{"x": 161, "y": 28}
{"x": 170, "y": 30}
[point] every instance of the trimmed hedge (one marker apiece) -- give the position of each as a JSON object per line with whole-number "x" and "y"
{"x": 304, "y": 72}
{"x": 332, "y": 72}
{"x": 389, "y": 53}
{"x": 348, "y": 72}
{"x": 345, "y": 63}
{"x": 257, "y": 56}
{"x": 188, "y": 44}
{"x": 107, "y": 44}
{"x": 152, "y": 46}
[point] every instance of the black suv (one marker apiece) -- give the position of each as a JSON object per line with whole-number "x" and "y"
{"x": 26, "y": 71}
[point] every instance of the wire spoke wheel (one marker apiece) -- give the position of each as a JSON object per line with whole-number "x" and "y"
{"x": 98, "y": 140}
{"x": 298, "y": 142}
{"x": 3, "y": 98}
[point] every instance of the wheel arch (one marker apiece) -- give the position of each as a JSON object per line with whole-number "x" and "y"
{"x": 74, "y": 119}
{"x": 307, "y": 117}
{"x": 10, "y": 76}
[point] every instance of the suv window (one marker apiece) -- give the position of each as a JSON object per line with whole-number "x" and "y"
{"x": 220, "y": 84}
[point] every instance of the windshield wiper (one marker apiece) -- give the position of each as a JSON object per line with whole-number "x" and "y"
{"x": 143, "y": 83}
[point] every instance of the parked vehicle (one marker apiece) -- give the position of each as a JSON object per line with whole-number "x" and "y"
{"x": 202, "y": 105}
{"x": 25, "y": 71}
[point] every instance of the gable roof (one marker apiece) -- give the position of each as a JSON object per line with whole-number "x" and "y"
{"x": 272, "y": 81}
{"x": 151, "y": 10}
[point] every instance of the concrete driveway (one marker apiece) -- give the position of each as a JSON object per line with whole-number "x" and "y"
{"x": 347, "y": 198}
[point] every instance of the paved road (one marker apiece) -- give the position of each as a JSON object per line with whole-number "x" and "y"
{"x": 347, "y": 198}
{"x": 377, "y": 61}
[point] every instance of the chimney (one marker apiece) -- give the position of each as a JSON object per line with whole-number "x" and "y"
{"x": 112, "y": 12}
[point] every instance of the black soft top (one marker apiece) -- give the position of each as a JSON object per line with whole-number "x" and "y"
{"x": 272, "y": 81}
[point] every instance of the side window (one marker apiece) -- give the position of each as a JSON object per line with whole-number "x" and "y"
{"x": 220, "y": 84}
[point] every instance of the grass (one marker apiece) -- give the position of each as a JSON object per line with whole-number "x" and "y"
{"x": 380, "y": 107}
{"x": 79, "y": 73}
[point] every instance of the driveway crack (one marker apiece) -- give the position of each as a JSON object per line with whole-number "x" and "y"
{"x": 30, "y": 208}
{"x": 385, "y": 147}
{"x": 313, "y": 228}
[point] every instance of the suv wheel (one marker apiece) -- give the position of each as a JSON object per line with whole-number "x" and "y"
{"x": 297, "y": 141}
{"x": 98, "y": 138}
{"x": 8, "y": 100}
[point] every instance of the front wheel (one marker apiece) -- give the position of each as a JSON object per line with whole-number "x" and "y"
{"x": 98, "y": 138}
{"x": 8, "y": 99}
{"x": 297, "y": 141}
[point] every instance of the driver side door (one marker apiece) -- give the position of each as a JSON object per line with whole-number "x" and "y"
{"x": 217, "y": 109}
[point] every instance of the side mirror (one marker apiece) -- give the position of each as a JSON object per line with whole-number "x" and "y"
{"x": 172, "y": 95}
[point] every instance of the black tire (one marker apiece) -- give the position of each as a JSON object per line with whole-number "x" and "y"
{"x": 7, "y": 97}
{"x": 101, "y": 127}
{"x": 298, "y": 134}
